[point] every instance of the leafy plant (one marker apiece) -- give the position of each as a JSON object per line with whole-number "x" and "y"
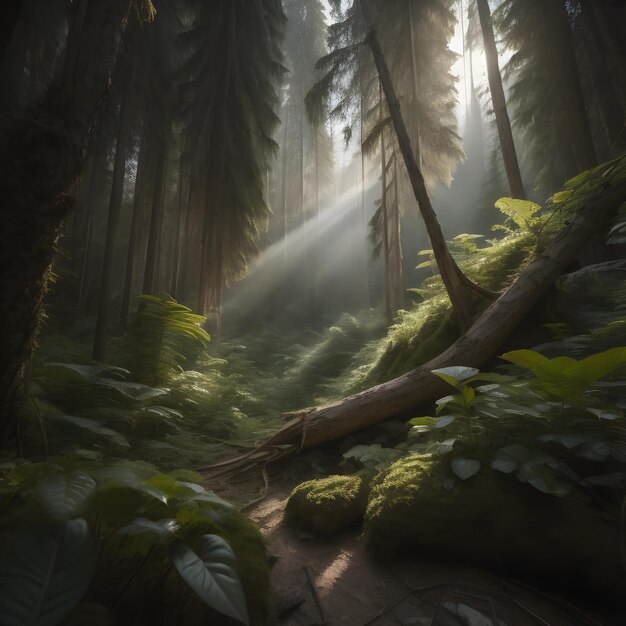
{"x": 523, "y": 213}
{"x": 164, "y": 336}
{"x": 566, "y": 378}
{"x": 58, "y": 521}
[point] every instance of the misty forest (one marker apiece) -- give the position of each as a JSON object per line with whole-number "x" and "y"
{"x": 313, "y": 312}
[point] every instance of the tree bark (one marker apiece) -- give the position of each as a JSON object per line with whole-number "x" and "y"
{"x": 573, "y": 99}
{"x": 42, "y": 156}
{"x": 507, "y": 145}
{"x": 115, "y": 208}
{"x": 156, "y": 222}
{"x": 312, "y": 427}
{"x": 135, "y": 225}
{"x": 415, "y": 84}
{"x": 181, "y": 210}
{"x": 9, "y": 15}
{"x": 457, "y": 285}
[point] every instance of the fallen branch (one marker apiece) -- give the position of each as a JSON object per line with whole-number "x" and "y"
{"x": 314, "y": 426}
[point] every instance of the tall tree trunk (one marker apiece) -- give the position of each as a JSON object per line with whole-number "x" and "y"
{"x": 456, "y": 284}
{"x": 284, "y": 189}
{"x": 610, "y": 75}
{"x": 396, "y": 244}
{"x": 415, "y": 84}
{"x": 135, "y": 225}
{"x": 573, "y": 99}
{"x": 507, "y": 145}
{"x": 115, "y": 208}
{"x": 9, "y": 15}
{"x": 386, "y": 264}
{"x": 42, "y": 156}
{"x": 150, "y": 277}
{"x": 182, "y": 197}
{"x": 96, "y": 180}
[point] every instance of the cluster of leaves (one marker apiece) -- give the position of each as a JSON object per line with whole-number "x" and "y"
{"x": 164, "y": 338}
{"x": 563, "y": 432}
{"x": 77, "y": 540}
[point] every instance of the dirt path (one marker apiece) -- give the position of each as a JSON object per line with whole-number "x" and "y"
{"x": 354, "y": 590}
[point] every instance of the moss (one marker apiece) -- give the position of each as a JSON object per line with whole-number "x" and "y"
{"x": 328, "y": 505}
{"x": 493, "y": 520}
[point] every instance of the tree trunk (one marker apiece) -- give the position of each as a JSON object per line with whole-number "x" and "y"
{"x": 507, "y": 145}
{"x": 284, "y": 190}
{"x": 611, "y": 93}
{"x": 415, "y": 84}
{"x": 42, "y": 156}
{"x": 181, "y": 209}
{"x": 573, "y": 99}
{"x": 156, "y": 221}
{"x": 9, "y": 15}
{"x": 312, "y": 427}
{"x": 455, "y": 282}
{"x": 396, "y": 245}
{"x": 115, "y": 208}
{"x": 386, "y": 265}
{"x": 135, "y": 225}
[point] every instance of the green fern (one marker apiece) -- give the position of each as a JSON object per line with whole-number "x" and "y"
{"x": 164, "y": 339}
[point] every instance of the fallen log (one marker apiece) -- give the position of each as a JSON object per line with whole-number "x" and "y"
{"x": 314, "y": 426}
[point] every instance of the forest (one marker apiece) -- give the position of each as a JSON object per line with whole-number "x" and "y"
{"x": 313, "y": 312}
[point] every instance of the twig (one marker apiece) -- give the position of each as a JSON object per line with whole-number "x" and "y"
{"x": 316, "y": 597}
{"x": 264, "y": 492}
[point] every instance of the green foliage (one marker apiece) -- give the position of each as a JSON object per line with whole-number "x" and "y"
{"x": 164, "y": 337}
{"x": 522, "y": 212}
{"x": 565, "y": 378}
{"x": 210, "y": 570}
{"x": 148, "y": 524}
{"x": 45, "y": 571}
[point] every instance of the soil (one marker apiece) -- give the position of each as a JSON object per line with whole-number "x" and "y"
{"x": 333, "y": 581}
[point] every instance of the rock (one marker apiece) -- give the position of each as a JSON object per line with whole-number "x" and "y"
{"x": 328, "y": 505}
{"x": 492, "y": 520}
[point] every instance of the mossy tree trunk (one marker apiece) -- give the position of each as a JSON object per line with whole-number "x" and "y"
{"x": 42, "y": 156}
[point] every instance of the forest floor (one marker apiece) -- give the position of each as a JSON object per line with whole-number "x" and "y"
{"x": 333, "y": 580}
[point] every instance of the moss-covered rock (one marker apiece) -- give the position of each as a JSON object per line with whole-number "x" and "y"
{"x": 492, "y": 520}
{"x": 328, "y": 505}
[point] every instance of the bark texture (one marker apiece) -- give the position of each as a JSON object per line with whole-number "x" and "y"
{"x": 503, "y": 122}
{"x": 42, "y": 156}
{"x": 456, "y": 284}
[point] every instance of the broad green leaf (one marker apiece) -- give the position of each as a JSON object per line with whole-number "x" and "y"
{"x": 210, "y": 572}
{"x": 543, "y": 479}
{"x": 423, "y": 421}
{"x": 561, "y": 196}
{"x": 444, "y": 421}
{"x": 161, "y": 529}
{"x": 565, "y": 377}
{"x": 456, "y": 375}
{"x": 520, "y": 211}
{"x": 64, "y": 496}
{"x": 465, "y": 468}
{"x": 469, "y": 395}
{"x": 94, "y": 427}
{"x": 44, "y": 572}
{"x": 510, "y": 458}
